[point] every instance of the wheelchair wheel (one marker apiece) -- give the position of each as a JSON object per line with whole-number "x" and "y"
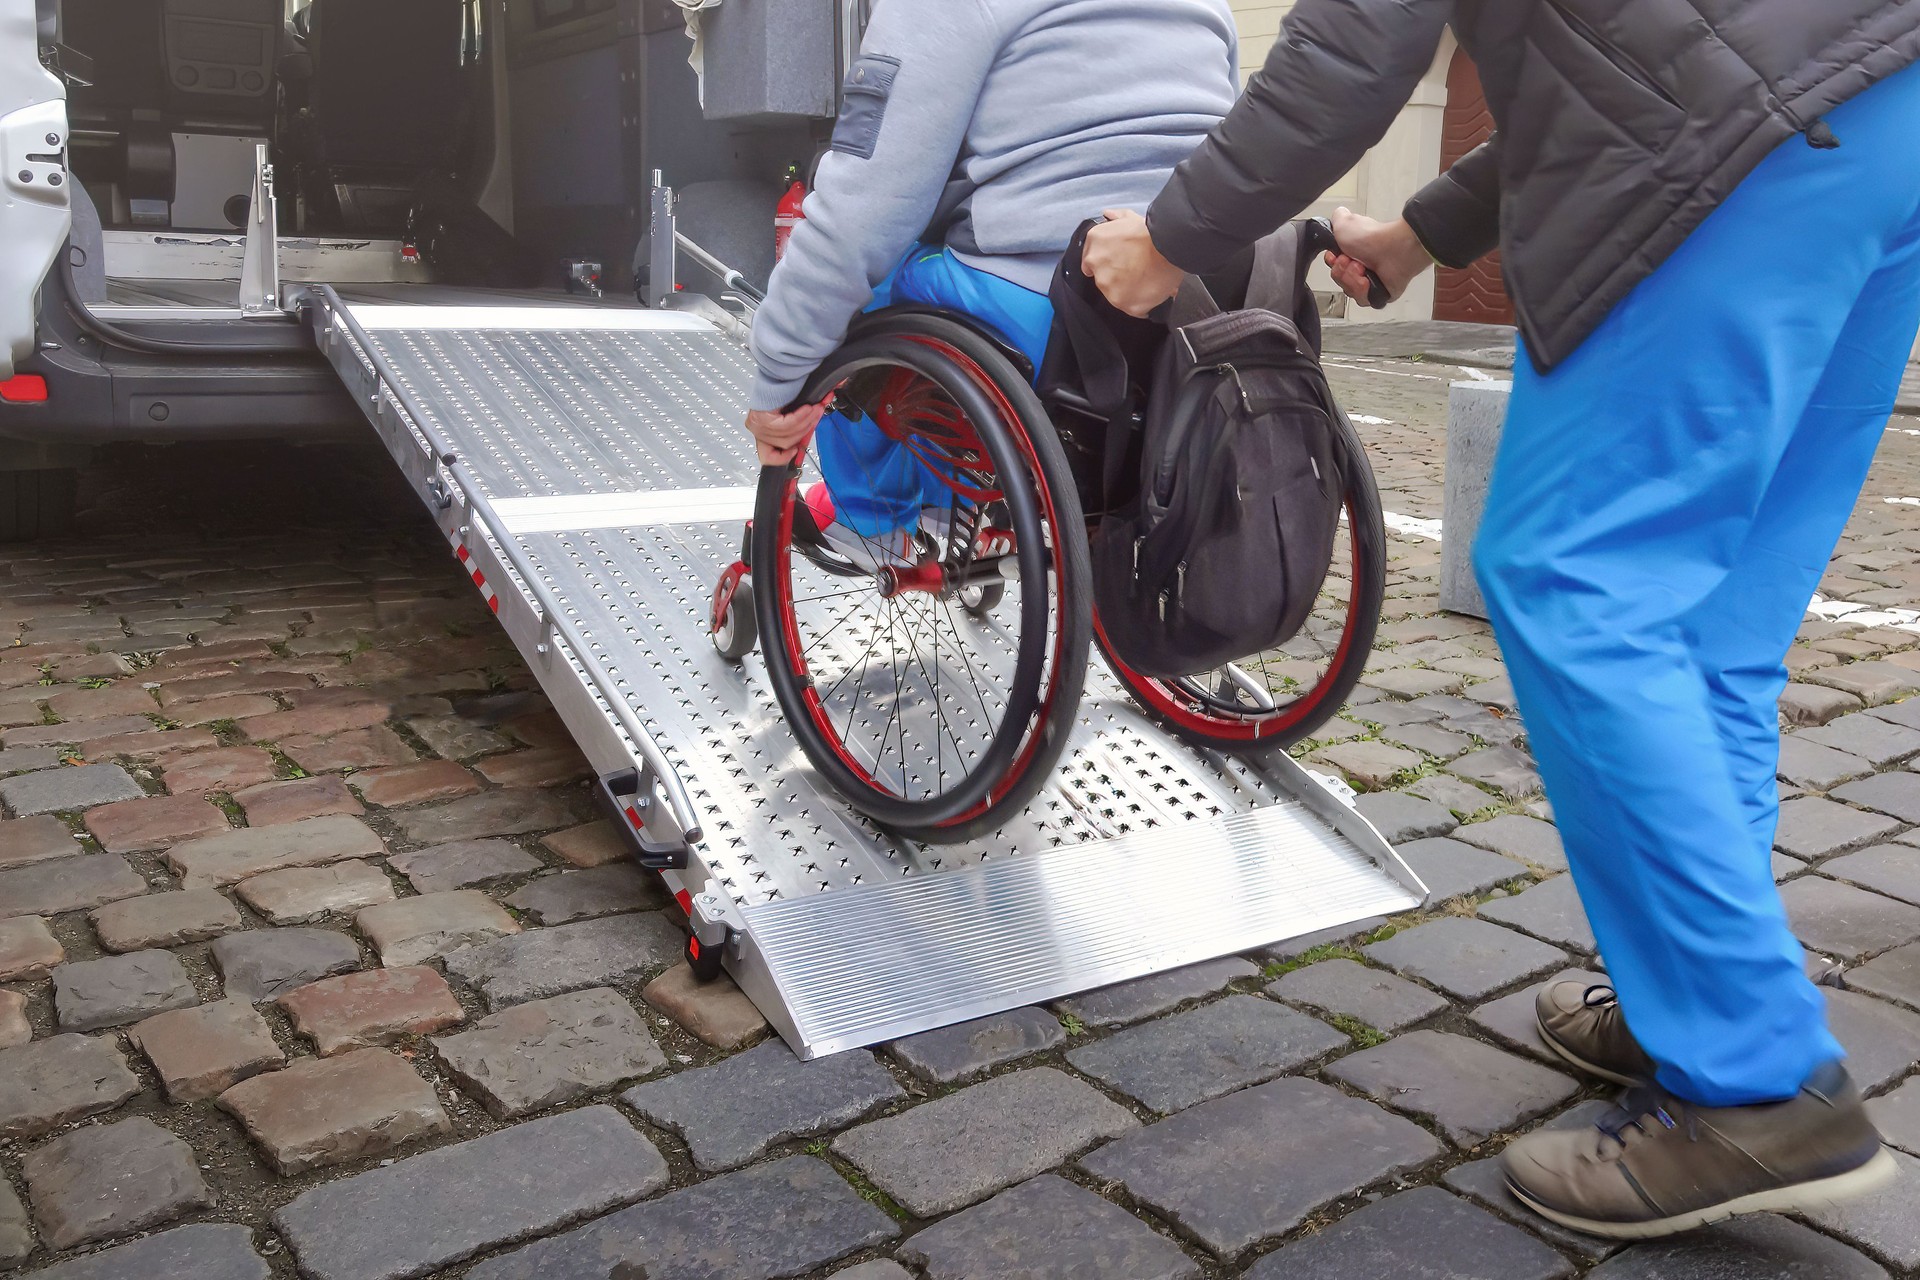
{"x": 936, "y": 717}
{"x": 1279, "y": 697}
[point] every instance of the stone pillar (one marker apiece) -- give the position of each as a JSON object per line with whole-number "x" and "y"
{"x": 1476, "y": 411}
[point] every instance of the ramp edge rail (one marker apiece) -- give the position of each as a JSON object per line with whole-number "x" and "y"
{"x": 445, "y": 471}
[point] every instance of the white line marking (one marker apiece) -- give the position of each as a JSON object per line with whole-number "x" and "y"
{"x": 1368, "y": 420}
{"x": 533, "y": 319}
{"x": 1413, "y": 526}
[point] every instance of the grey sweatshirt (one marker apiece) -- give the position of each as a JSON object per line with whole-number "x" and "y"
{"x": 1014, "y": 121}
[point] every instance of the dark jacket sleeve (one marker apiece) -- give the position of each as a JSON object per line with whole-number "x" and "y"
{"x": 1457, "y": 215}
{"x": 1338, "y": 75}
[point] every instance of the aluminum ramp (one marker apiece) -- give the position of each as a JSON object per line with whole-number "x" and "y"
{"x": 589, "y": 468}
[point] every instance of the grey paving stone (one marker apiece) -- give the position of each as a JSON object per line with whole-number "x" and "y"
{"x": 968, "y": 1048}
{"x": 415, "y": 930}
{"x": 1807, "y": 763}
{"x": 1486, "y": 1182}
{"x": 67, "y": 884}
{"x": 27, "y": 759}
{"x": 1398, "y": 816}
{"x": 1344, "y": 987}
{"x": 1390, "y": 714}
{"x": 90, "y": 994}
{"x": 1872, "y": 682}
{"x": 1882, "y": 1222}
{"x": 1255, "y": 1164}
{"x": 1451, "y": 869}
{"x": 1145, "y": 997}
{"x": 786, "y": 1218}
{"x": 1874, "y": 740}
{"x": 966, "y": 1146}
{"x": 1458, "y": 796}
{"x": 507, "y": 812}
{"x": 1550, "y": 910}
{"x": 877, "y": 1269}
{"x": 1517, "y": 836}
{"x": 1882, "y": 1040}
{"x": 732, "y": 1111}
{"x": 548, "y": 1052}
{"x": 204, "y": 1251}
{"x": 1843, "y": 921}
{"x": 267, "y": 963}
{"x": 1368, "y": 764}
{"x": 54, "y": 790}
{"x": 589, "y": 894}
{"x": 1345, "y": 934}
{"x": 213, "y": 861}
{"x": 1425, "y": 1232}
{"x": 1470, "y": 1090}
{"x": 47, "y": 1083}
{"x": 1812, "y": 827}
{"x": 1802, "y": 703}
{"x": 569, "y": 957}
{"x": 443, "y": 867}
{"x": 1902, "y": 713}
{"x": 324, "y": 1111}
{"x": 164, "y": 920}
{"x": 1897, "y": 1116}
{"x": 1505, "y": 769}
{"x": 1430, "y": 740}
{"x": 1172, "y": 1063}
{"x": 432, "y": 1210}
{"x": 1896, "y": 793}
{"x": 1783, "y": 866}
{"x": 1470, "y": 959}
{"x": 110, "y": 1180}
{"x": 1892, "y": 869}
{"x": 1046, "y": 1229}
{"x": 16, "y": 1232}
{"x": 1894, "y": 976}
{"x": 1763, "y": 1247}
{"x": 36, "y": 839}
{"x": 1501, "y": 731}
{"x": 1511, "y": 1019}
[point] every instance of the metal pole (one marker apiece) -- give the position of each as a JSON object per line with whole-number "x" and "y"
{"x": 260, "y": 265}
{"x": 661, "y": 269}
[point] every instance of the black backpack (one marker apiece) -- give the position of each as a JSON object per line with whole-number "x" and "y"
{"x": 1207, "y": 442}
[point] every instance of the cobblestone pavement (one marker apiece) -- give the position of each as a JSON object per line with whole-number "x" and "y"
{"x": 312, "y": 960}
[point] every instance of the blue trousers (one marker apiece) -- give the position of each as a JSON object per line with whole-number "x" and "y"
{"x": 1663, "y": 507}
{"x": 878, "y": 486}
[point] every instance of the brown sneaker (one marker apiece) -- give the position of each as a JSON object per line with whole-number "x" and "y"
{"x": 1582, "y": 1023}
{"x": 1655, "y": 1165}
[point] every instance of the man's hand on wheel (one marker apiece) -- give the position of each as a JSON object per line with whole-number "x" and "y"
{"x": 780, "y": 437}
{"x": 1125, "y": 265}
{"x": 1390, "y": 248}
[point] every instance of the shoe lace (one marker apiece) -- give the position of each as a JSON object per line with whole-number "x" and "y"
{"x": 1628, "y": 1121}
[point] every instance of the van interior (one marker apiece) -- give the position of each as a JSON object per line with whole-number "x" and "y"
{"x": 417, "y": 146}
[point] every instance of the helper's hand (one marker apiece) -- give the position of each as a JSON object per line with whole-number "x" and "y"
{"x": 1390, "y": 248}
{"x": 779, "y": 437}
{"x": 1123, "y": 262}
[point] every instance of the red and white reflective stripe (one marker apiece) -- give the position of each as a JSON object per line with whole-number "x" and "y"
{"x": 465, "y": 557}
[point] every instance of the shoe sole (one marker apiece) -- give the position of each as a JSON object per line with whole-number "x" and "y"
{"x": 1801, "y": 1197}
{"x": 1591, "y": 1068}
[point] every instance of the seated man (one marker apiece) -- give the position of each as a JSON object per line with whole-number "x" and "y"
{"x": 975, "y": 136}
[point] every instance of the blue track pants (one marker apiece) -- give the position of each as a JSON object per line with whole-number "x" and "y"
{"x": 1663, "y": 507}
{"x": 878, "y": 486}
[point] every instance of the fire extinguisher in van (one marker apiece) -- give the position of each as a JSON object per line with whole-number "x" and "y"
{"x": 787, "y": 214}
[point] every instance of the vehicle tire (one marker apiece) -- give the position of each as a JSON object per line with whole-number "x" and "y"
{"x": 1278, "y": 698}
{"x": 37, "y": 504}
{"x": 857, "y": 658}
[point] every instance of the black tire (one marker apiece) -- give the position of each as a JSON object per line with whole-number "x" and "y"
{"x": 740, "y": 630}
{"x": 1186, "y": 711}
{"x": 982, "y": 600}
{"x": 1054, "y": 625}
{"x": 37, "y": 504}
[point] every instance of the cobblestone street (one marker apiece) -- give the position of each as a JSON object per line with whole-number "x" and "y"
{"x": 315, "y": 960}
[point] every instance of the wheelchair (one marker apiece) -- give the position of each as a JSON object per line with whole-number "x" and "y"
{"x": 932, "y": 678}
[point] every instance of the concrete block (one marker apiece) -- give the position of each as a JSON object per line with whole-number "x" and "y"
{"x": 1476, "y": 412}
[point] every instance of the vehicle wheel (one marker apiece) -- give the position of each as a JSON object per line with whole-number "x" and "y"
{"x": 37, "y": 504}
{"x": 739, "y": 629}
{"x": 932, "y": 721}
{"x": 1279, "y": 697}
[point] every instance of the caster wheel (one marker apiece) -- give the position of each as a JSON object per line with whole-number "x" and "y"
{"x": 983, "y": 599}
{"x": 704, "y": 961}
{"x": 736, "y": 628}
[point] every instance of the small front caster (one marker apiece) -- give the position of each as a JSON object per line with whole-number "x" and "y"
{"x": 981, "y": 599}
{"x": 734, "y": 627}
{"x": 704, "y": 961}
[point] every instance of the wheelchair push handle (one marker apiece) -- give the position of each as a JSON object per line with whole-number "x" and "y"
{"x": 1320, "y": 239}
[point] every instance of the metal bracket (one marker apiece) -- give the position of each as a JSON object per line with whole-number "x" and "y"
{"x": 1335, "y": 787}
{"x": 260, "y": 268}
{"x": 628, "y": 797}
{"x": 662, "y": 270}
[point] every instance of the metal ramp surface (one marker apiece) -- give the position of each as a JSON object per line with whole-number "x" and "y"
{"x": 589, "y": 467}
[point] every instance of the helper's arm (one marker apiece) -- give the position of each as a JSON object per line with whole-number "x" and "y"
{"x": 908, "y": 103}
{"x": 1457, "y": 215}
{"x": 1336, "y": 78}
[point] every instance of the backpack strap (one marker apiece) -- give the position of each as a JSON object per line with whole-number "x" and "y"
{"x": 1279, "y": 272}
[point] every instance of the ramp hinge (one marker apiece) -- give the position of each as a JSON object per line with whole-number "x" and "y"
{"x": 629, "y": 799}
{"x": 1335, "y": 787}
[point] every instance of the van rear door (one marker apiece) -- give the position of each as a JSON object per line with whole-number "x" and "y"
{"x": 34, "y": 215}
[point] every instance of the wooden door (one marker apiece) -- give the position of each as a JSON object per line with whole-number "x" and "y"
{"x": 1475, "y": 294}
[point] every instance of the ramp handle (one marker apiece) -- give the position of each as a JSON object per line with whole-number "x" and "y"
{"x": 627, "y": 796}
